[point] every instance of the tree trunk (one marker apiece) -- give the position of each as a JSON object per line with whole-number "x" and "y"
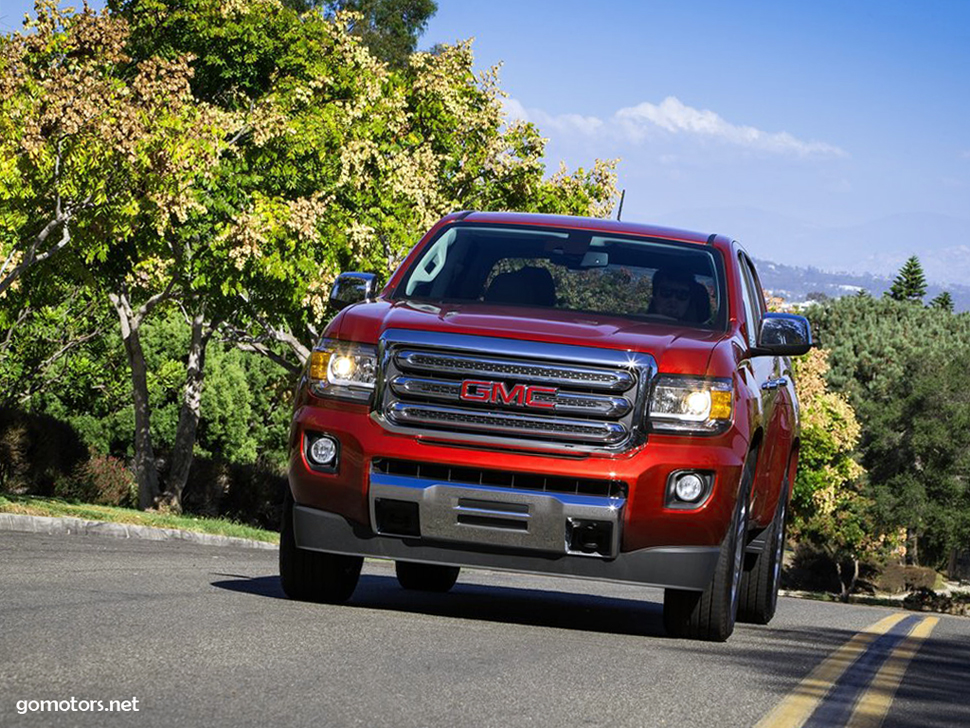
{"x": 912, "y": 547}
{"x": 183, "y": 451}
{"x": 145, "y": 471}
{"x": 847, "y": 586}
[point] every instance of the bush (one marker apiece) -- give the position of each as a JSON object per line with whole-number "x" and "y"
{"x": 897, "y": 578}
{"x": 249, "y": 494}
{"x": 37, "y": 452}
{"x": 13, "y": 456}
{"x": 102, "y": 480}
{"x": 927, "y": 600}
{"x": 811, "y": 570}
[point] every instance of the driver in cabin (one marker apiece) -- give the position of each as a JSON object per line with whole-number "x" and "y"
{"x": 677, "y": 295}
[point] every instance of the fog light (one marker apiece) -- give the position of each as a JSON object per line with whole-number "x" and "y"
{"x": 322, "y": 451}
{"x": 689, "y": 487}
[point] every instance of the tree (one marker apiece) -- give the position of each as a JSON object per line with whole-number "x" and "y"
{"x": 100, "y": 152}
{"x": 897, "y": 363}
{"x": 910, "y": 283}
{"x": 918, "y": 453}
{"x": 944, "y": 301}
{"x": 829, "y": 508}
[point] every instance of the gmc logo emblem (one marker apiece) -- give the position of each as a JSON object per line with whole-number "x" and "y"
{"x": 496, "y": 392}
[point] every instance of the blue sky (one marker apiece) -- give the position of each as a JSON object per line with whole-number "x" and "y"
{"x": 819, "y": 133}
{"x": 827, "y": 133}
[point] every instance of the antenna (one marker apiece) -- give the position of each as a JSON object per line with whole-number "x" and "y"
{"x": 619, "y": 210}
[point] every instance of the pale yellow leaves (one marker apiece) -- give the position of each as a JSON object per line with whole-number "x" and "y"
{"x": 827, "y": 416}
{"x": 304, "y": 216}
{"x": 317, "y": 297}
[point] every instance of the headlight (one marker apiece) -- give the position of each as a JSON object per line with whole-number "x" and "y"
{"x": 691, "y": 404}
{"x": 343, "y": 370}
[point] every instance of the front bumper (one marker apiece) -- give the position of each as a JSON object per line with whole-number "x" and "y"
{"x": 683, "y": 567}
{"x": 647, "y": 542}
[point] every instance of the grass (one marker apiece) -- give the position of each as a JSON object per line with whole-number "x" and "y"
{"x": 36, "y": 506}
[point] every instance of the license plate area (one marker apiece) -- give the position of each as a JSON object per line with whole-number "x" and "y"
{"x": 522, "y": 520}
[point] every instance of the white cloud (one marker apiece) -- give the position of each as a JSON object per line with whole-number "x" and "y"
{"x": 644, "y": 121}
{"x": 514, "y": 111}
{"x": 563, "y": 123}
{"x": 675, "y": 117}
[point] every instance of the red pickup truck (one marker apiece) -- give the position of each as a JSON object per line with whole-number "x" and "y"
{"x": 554, "y": 395}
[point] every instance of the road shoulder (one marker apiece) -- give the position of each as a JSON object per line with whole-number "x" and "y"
{"x": 67, "y": 525}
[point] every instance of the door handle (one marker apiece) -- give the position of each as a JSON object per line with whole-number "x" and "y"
{"x": 775, "y": 383}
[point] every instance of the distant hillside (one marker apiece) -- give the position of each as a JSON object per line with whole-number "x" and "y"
{"x": 799, "y": 284}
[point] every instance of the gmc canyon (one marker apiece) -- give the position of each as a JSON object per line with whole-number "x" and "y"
{"x": 553, "y": 395}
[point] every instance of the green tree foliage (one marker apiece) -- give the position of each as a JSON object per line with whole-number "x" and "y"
{"x": 903, "y": 369}
{"x": 245, "y": 405}
{"x": 910, "y": 283}
{"x": 342, "y": 163}
{"x": 944, "y": 301}
{"x": 917, "y": 450}
{"x": 91, "y": 146}
{"x": 872, "y": 340}
{"x": 44, "y": 319}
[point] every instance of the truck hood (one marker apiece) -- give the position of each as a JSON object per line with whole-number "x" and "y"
{"x": 677, "y": 349}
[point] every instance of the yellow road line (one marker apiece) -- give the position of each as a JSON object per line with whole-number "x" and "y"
{"x": 872, "y": 707}
{"x": 793, "y": 711}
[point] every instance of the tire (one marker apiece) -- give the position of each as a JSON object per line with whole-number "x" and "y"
{"x": 312, "y": 576}
{"x": 710, "y": 615}
{"x": 759, "y": 583}
{"x": 426, "y": 577}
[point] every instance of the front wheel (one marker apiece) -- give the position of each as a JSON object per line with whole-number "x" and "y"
{"x": 710, "y": 614}
{"x": 312, "y": 576}
{"x": 426, "y": 577}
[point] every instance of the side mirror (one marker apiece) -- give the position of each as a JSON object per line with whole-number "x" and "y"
{"x": 784, "y": 334}
{"x": 352, "y": 288}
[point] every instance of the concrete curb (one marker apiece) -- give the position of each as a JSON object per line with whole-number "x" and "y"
{"x": 65, "y": 525}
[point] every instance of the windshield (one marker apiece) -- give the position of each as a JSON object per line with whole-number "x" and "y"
{"x": 571, "y": 270}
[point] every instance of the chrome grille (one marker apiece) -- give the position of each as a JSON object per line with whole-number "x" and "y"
{"x": 485, "y": 367}
{"x": 562, "y": 402}
{"x": 459, "y": 387}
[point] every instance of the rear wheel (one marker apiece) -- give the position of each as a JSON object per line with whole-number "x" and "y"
{"x": 426, "y": 577}
{"x": 759, "y": 583}
{"x": 312, "y": 576}
{"x": 710, "y": 614}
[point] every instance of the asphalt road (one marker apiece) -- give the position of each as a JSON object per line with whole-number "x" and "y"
{"x": 203, "y": 636}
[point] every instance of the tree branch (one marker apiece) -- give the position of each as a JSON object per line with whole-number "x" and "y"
{"x": 151, "y": 303}
{"x": 67, "y": 347}
{"x": 31, "y": 257}
{"x": 257, "y": 348}
{"x": 242, "y": 132}
{"x": 20, "y": 319}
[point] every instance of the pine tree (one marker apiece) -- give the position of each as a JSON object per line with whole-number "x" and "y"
{"x": 943, "y": 301}
{"x": 910, "y": 283}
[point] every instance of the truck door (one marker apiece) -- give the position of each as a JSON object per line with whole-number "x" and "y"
{"x": 770, "y": 382}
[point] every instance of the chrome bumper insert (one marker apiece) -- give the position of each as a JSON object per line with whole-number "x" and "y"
{"x": 504, "y": 518}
